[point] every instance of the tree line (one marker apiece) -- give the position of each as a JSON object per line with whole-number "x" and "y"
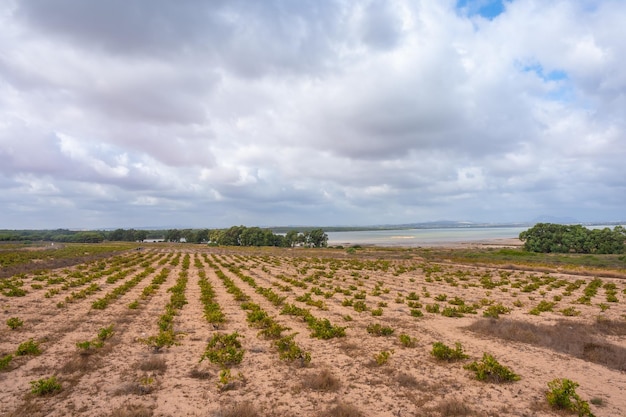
{"x": 58, "y": 235}
{"x": 255, "y": 236}
{"x": 234, "y": 236}
{"x": 558, "y": 238}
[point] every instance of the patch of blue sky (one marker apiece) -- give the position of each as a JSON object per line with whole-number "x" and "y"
{"x": 561, "y": 88}
{"x": 489, "y": 9}
{"x": 554, "y": 75}
{"x": 564, "y": 93}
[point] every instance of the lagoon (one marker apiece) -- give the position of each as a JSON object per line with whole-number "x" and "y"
{"x": 434, "y": 236}
{"x": 423, "y": 237}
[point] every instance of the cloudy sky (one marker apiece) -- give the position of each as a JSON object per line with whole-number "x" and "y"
{"x": 195, "y": 113}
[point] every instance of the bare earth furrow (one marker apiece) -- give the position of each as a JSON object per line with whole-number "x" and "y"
{"x": 364, "y": 291}
{"x": 78, "y": 323}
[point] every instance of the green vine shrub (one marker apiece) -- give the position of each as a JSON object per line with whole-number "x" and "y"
{"x": 490, "y": 370}
{"x": 562, "y": 395}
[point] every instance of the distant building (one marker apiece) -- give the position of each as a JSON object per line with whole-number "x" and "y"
{"x": 153, "y": 240}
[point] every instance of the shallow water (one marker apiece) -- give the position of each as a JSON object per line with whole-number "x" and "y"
{"x": 426, "y": 237}
{"x": 417, "y": 237}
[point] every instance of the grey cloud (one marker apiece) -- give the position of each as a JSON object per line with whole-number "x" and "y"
{"x": 251, "y": 38}
{"x": 381, "y": 28}
{"x": 241, "y": 112}
{"x": 127, "y": 27}
{"x": 27, "y": 150}
{"x": 153, "y": 99}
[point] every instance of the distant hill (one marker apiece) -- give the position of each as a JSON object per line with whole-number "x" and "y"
{"x": 439, "y": 224}
{"x": 555, "y": 219}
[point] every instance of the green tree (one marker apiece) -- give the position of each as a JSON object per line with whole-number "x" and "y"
{"x": 231, "y": 236}
{"x": 317, "y": 238}
{"x": 202, "y": 236}
{"x": 117, "y": 235}
{"x": 291, "y": 238}
{"x": 173, "y": 235}
{"x": 556, "y": 238}
{"x": 140, "y": 235}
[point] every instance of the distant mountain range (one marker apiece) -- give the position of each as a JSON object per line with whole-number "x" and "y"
{"x": 443, "y": 224}
{"x": 437, "y": 224}
{"x": 554, "y": 219}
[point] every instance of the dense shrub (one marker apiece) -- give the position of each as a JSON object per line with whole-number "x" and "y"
{"x": 557, "y": 238}
{"x": 445, "y": 353}
{"x": 562, "y": 394}
{"x": 489, "y": 369}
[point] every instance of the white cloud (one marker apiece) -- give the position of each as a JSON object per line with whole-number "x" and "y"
{"x": 319, "y": 112}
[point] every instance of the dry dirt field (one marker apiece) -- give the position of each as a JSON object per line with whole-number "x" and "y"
{"x": 326, "y": 333}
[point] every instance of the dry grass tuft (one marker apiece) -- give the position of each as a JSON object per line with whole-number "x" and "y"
{"x": 126, "y": 318}
{"x": 79, "y": 364}
{"x": 343, "y": 410}
{"x": 580, "y": 340}
{"x": 134, "y": 388}
{"x": 349, "y": 348}
{"x": 406, "y": 380}
{"x": 611, "y": 327}
{"x": 132, "y": 410}
{"x": 323, "y": 381}
{"x": 244, "y": 409}
{"x": 30, "y": 409}
{"x": 453, "y": 407}
{"x": 154, "y": 364}
{"x": 199, "y": 374}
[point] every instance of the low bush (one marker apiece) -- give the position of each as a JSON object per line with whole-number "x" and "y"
{"x": 87, "y": 345}
{"x": 542, "y": 306}
{"x": 495, "y": 310}
{"x": 45, "y": 386}
{"x": 562, "y": 395}
{"x": 15, "y": 323}
{"x": 445, "y": 353}
{"x": 30, "y": 347}
{"x": 377, "y": 329}
{"x": 382, "y": 357}
{"x": 228, "y": 381}
{"x": 273, "y": 330}
{"x": 224, "y": 350}
{"x": 432, "y": 308}
{"x": 407, "y": 341}
{"x": 323, "y": 329}
{"x": 451, "y": 312}
{"x": 105, "y": 333}
{"x": 5, "y": 361}
{"x": 359, "y": 306}
{"x": 490, "y": 370}
{"x": 165, "y": 338}
{"x": 290, "y": 351}
{"x": 570, "y": 312}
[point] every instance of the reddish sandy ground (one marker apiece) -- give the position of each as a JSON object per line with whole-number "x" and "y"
{"x": 128, "y": 378}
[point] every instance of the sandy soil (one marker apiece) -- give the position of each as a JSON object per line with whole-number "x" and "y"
{"x": 126, "y": 377}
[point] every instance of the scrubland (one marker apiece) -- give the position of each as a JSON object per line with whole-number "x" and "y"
{"x": 185, "y": 330}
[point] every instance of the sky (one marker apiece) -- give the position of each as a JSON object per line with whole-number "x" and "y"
{"x": 195, "y": 113}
